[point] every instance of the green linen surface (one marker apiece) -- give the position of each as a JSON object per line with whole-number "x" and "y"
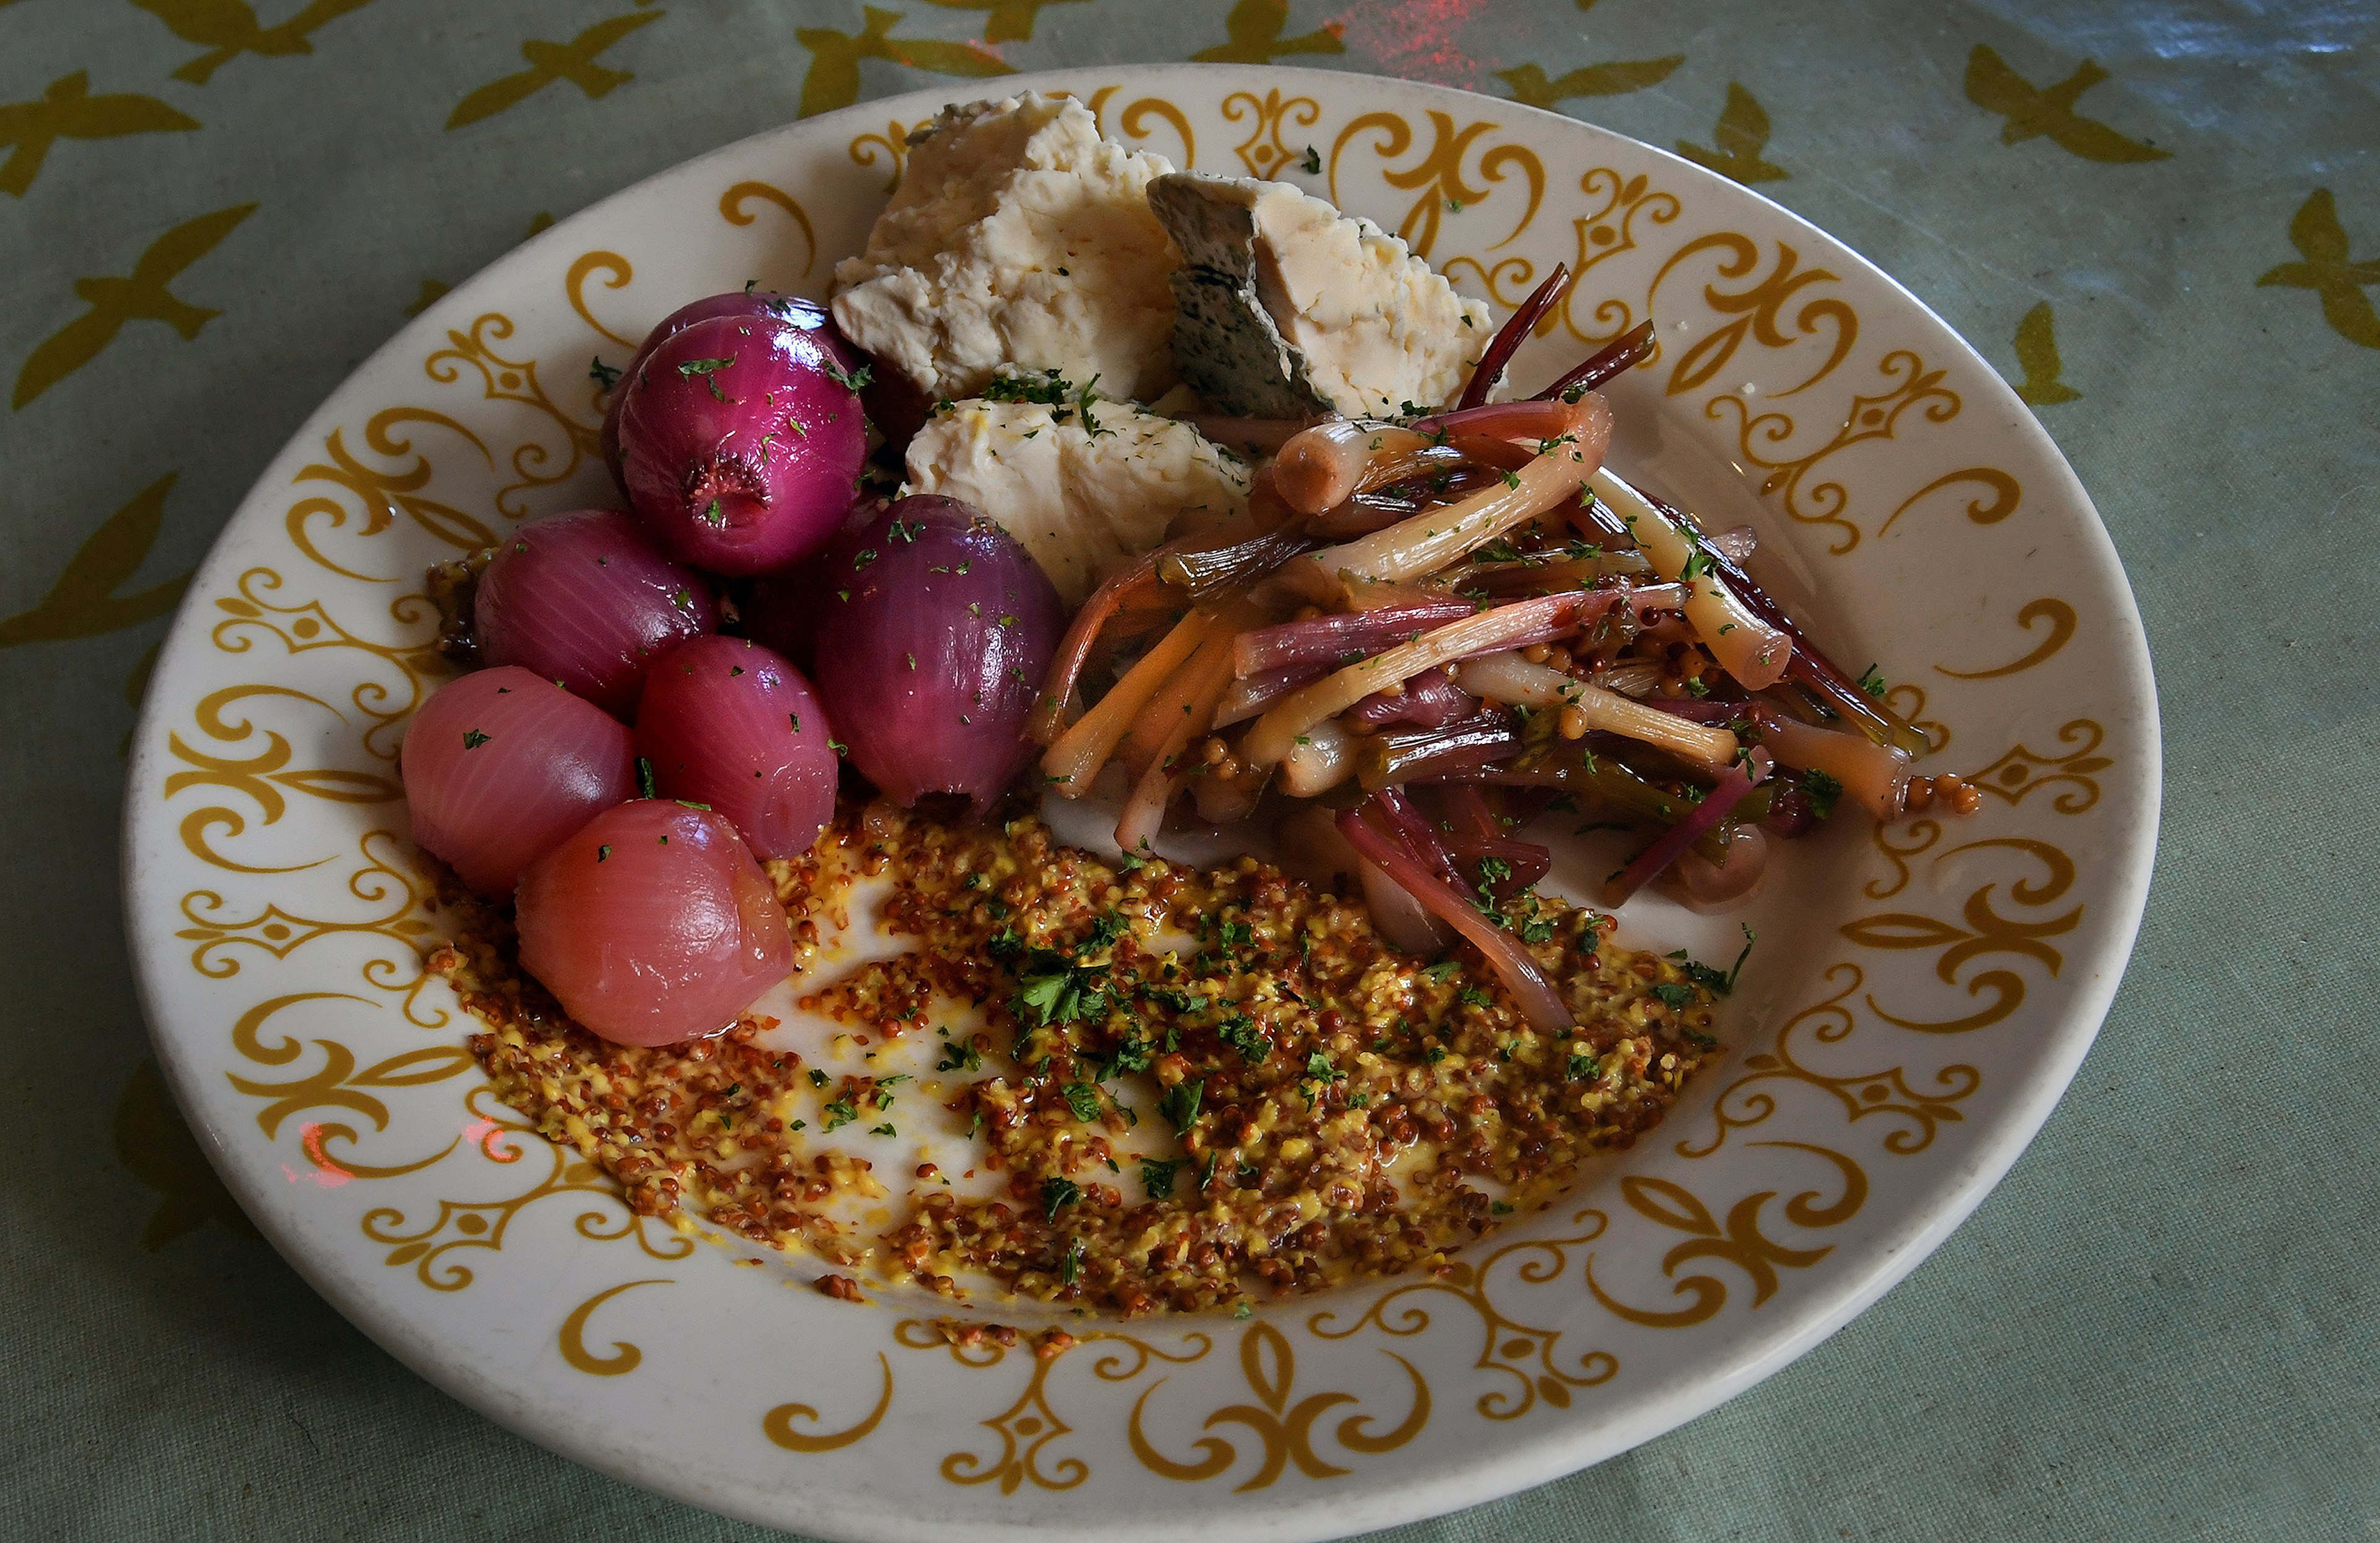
{"x": 2164, "y": 1325}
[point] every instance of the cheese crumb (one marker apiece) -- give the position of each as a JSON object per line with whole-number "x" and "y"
{"x": 1079, "y": 497}
{"x": 1018, "y": 237}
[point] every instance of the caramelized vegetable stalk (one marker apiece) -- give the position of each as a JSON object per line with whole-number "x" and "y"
{"x": 1625, "y": 352}
{"x": 1505, "y": 627}
{"x": 1507, "y": 678}
{"x": 1435, "y": 538}
{"x": 1072, "y": 762}
{"x": 1746, "y": 645}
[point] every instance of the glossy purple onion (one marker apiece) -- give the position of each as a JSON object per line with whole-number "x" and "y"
{"x": 501, "y": 765}
{"x": 584, "y": 600}
{"x": 741, "y": 439}
{"x": 729, "y": 723}
{"x": 792, "y": 309}
{"x": 933, "y": 640}
{"x": 652, "y": 924}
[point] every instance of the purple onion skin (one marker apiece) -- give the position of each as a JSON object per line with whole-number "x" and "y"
{"x": 782, "y": 609}
{"x": 584, "y": 600}
{"x": 744, "y": 465}
{"x": 932, "y": 645}
{"x": 730, "y": 724}
{"x": 792, "y": 309}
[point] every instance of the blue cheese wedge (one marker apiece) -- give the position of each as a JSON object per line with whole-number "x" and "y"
{"x": 1285, "y": 308}
{"x": 1018, "y": 238}
{"x": 1084, "y": 485}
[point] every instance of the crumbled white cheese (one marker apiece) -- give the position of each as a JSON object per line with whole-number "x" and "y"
{"x": 1080, "y": 495}
{"x": 1018, "y": 237}
{"x": 1286, "y": 307}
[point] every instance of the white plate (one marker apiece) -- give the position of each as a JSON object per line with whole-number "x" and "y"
{"x": 1918, "y": 1002}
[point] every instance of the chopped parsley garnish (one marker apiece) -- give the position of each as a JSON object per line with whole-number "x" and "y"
{"x": 1049, "y": 388}
{"x": 1313, "y": 162}
{"x": 706, "y": 368}
{"x": 854, "y": 383}
{"x": 1058, "y": 991}
{"x": 1716, "y": 982}
{"x": 1057, "y": 1193}
{"x": 473, "y": 739}
{"x": 1180, "y": 1103}
{"x": 960, "y": 1055}
{"x": 1871, "y": 682}
{"x": 1821, "y": 789}
{"x": 602, "y": 374}
{"x": 1241, "y": 1033}
{"x": 1674, "y": 993}
{"x": 714, "y": 515}
{"x": 840, "y": 1114}
{"x": 1070, "y": 1268}
{"x": 884, "y": 1129}
{"x": 1157, "y": 1176}
{"x": 603, "y": 852}
{"x": 1582, "y": 1068}
{"x": 644, "y": 777}
{"x": 1084, "y": 1100}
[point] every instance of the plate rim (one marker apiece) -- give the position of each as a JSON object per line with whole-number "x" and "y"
{"x": 1529, "y": 1458}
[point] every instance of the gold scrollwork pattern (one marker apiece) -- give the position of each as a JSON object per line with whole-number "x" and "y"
{"x": 515, "y": 380}
{"x": 380, "y": 883}
{"x": 1757, "y": 312}
{"x": 1738, "y": 1241}
{"x": 383, "y": 494}
{"x": 1028, "y": 1425}
{"x": 1749, "y": 1100}
{"x": 778, "y": 1423}
{"x": 1921, "y": 834}
{"x": 1133, "y": 122}
{"x": 1437, "y": 180}
{"x": 1606, "y": 231}
{"x": 732, "y": 203}
{"x": 893, "y": 145}
{"x": 571, "y": 1340}
{"x": 482, "y": 1225}
{"x": 261, "y": 777}
{"x": 308, "y": 627}
{"x": 336, "y": 1084}
{"x": 1265, "y": 152}
{"x": 2005, "y": 493}
{"x": 617, "y": 275}
{"x": 1269, "y": 1367}
{"x": 1984, "y": 932}
{"x": 1909, "y": 385}
{"x": 2021, "y": 772}
{"x": 2061, "y": 619}
{"x": 1529, "y": 1354}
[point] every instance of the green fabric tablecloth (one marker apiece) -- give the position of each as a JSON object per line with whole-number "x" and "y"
{"x": 2163, "y": 219}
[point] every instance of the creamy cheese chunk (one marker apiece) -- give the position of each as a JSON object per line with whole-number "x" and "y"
{"x": 1286, "y": 307}
{"x": 1080, "y": 496}
{"x": 1018, "y": 237}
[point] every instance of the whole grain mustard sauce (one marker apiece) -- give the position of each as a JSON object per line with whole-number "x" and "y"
{"x": 1191, "y": 1085}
